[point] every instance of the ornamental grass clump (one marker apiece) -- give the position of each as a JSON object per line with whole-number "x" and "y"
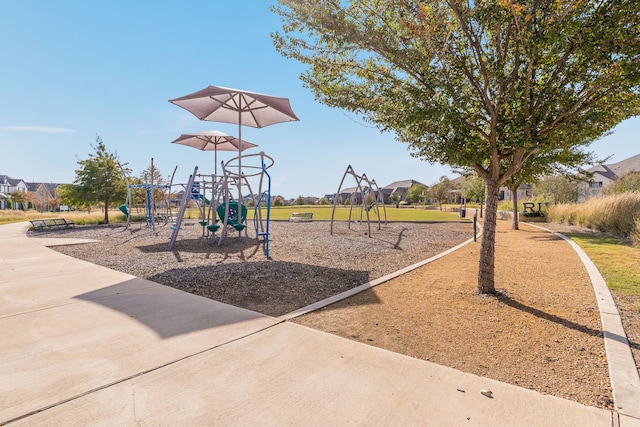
{"x": 618, "y": 214}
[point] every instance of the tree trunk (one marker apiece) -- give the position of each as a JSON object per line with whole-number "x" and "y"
{"x": 516, "y": 223}
{"x": 106, "y": 211}
{"x": 486, "y": 266}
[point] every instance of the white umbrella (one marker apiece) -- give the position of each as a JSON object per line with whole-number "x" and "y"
{"x": 226, "y": 105}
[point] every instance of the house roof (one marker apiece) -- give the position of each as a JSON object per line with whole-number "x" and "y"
{"x": 402, "y": 184}
{"x": 614, "y": 171}
{"x": 6, "y": 179}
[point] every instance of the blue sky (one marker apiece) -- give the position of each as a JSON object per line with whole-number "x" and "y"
{"x": 72, "y": 70}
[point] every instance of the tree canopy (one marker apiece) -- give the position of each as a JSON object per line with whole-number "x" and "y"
{"x": 99, "y": 179}
{"x": 441, "y": 191}
{"x": 627, "y": 183}
{"x": 484, "y": 85}
{"x": 415, "y": 193}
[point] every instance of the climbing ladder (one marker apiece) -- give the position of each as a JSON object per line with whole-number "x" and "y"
{"x": 183, "y": 206}
{"x": 263, "y": 231}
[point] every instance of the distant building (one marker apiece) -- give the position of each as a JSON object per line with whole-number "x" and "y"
{"x": 398, "y": 187}
{"x": 605, "y": 175}
{"x": 8, "y": 186}
{"x": 44, "y": 196}
{"x": 525, "y": 191}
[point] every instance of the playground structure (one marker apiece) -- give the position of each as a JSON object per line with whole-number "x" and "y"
{"x": 365, "y": 199}
{"x": 219, "y": 211}
{"x": 244, "y": 108}
{"x": 154, "y": 210}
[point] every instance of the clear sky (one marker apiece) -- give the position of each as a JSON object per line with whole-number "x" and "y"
{"x": 72, "y": 70}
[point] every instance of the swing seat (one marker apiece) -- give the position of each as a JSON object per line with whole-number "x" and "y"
{"x": 233, "y": 220}
{"x": 213, "y": 228}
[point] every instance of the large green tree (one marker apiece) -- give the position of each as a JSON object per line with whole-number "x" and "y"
{"x": 99, "y": 179}
{"x": 484, "y": 84}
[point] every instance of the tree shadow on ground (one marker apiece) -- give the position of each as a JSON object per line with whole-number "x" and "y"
{"x": 562, "y": 322}
{"x": 243, "y": 247}
{"x": 274, "y": 288}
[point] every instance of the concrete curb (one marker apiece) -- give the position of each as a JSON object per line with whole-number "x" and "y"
{"x": 346, "y": 294}
{"x": 623, "y": 372}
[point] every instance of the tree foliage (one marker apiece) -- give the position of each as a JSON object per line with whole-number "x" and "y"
{"x": 558, "y": 188}
{"x": 485, "y": 85}
{"x": 473, "y": 188}
{"x": 19, "y": 200}
{"x": 441, "y": 191}
{"x": 415, "y": 193}
{"x": 99, "y": 179}
{"x": 624, "y": 184}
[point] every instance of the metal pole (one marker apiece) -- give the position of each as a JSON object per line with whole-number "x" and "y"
{"x": 475, "y": 227}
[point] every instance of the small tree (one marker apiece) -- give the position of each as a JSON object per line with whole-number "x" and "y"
{"x": 18, "y": 200}
{"x": 416, "y": 193}
{"x": 72, "y": 195}
{"x": 441, "y": 191}
{"x": 473, "y": 189}
{"x": 100, "y": 179}
{"x": 394, "y": 197}
{"x": 558, "y": 188}
{"x": 301, "y": 201}
{"x": 278, "y": 201}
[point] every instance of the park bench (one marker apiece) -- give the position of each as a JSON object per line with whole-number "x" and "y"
{"x": 41, "y": 224}
{"x": 301, "y": 217}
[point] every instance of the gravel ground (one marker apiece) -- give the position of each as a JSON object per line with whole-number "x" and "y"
{"x": 307, "y": 263}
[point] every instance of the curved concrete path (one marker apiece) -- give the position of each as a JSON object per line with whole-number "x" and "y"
{"x": 85, "y": 345}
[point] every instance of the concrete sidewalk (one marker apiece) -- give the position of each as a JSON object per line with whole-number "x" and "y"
{"x": 85, "y": 345}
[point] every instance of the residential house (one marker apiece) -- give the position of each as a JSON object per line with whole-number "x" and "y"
{"x": 524, "y": 193}
{"x": 605, "y": 175}
{"x": 399, "y": 188}
{"x": 43, "y": 196}
{"x": 351, "y": 193}
{"x": 8, "y": 186}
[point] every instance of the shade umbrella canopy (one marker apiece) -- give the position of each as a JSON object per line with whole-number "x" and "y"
{"x": 234, "y": 106}
{"x": 226, "y": 105}
{"x": 213, "y": 140}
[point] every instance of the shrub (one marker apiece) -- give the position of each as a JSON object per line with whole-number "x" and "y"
{"x": 618, "y": 214}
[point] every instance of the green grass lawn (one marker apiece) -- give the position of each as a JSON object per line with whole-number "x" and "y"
{"x": 320, "y": 213}
{"x": 342, "y": 213}
{"x": 617, "y": 261}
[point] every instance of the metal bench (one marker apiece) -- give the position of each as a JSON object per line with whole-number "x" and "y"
{"x": 301, "y": 217}
{"x": 41, "y": 224}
